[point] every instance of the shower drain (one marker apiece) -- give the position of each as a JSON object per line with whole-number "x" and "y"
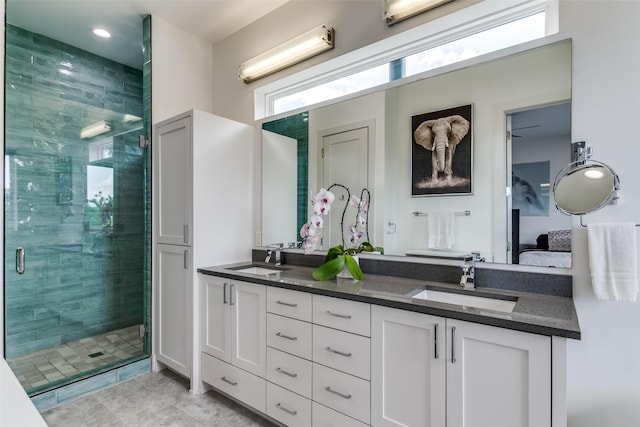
{"x": 99, "y": 353}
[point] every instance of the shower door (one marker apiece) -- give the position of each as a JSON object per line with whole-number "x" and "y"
{"x": 74, "y": 212}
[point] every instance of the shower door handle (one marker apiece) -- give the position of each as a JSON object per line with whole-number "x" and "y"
{"x": 20, "y": 261}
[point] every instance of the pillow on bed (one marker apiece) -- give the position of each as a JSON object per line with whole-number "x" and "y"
{"x": 560, "y": 240}
{"x": 542, "y": 242}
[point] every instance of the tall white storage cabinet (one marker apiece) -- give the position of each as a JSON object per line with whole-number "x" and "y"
{"x": 202, "y": 213}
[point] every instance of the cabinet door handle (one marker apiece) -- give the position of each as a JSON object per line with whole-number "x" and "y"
{"x": 186, "y": 260}
{"x": 185, "y": 233}
{"x": 288, "y": 304}
{"x": 282, "y": 371}
{"x": 20, "y": 260}
{"x": 341, "y": 353}
{"x": 281, "y": 335}
{"x": 225, "y": 299}
{"x": 435, "y": 341}
{"x": 231, "y": 302}
{"x": 229, "y": 381}
{"x": 344, "y": 396}
{"x": 285, "y": 409}
{"x": 453, "y": 344}
{"x": 342, "y": 316}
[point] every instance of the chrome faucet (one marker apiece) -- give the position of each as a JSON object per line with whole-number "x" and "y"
{"x": 277, "y": 247}
{"x": 469, "y": 271}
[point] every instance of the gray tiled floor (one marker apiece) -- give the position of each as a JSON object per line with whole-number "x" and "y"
{"x": 50, "y": 365}
{"x": 153, "y": 399}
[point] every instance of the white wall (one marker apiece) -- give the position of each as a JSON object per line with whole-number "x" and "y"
{"x": 182, "y": 67}
{"x": 604, "y": 367}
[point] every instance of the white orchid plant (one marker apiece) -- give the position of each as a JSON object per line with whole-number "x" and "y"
{"x": 340, "y": 255}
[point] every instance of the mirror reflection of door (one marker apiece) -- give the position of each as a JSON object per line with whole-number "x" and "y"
{"x": 540, "y": 145}
{"x": 345, "y": 160}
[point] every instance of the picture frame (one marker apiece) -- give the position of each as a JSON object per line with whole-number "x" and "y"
{"x": 451, "y": 173}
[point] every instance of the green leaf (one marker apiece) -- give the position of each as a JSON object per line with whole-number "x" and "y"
{"x": 354, "y": 268}
{"x": 334, "y": 252}
{"x": 329, "y": 269}
{"x": 366, "y": 247}
{"x": 380, "y": 249}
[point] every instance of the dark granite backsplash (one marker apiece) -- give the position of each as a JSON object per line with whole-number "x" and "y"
{"x": 538, "y": 283}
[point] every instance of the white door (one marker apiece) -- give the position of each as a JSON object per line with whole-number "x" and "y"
{"x": 172, "y": 301}
{"x": 408, "y": 366}
{"x": 216, "y": 340}
{"x": 497, "y": 377}
{"x": 279, "y": 188}
{"x": 248, "y": 323}
{"x": 345, "y": 161}
{"x": 172, "y": 166}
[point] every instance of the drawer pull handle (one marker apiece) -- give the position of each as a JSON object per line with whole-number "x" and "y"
{"x": 344, "y": 396}
{"x": 288, "y": 304}
{"x": 343, "y": 316}
{"x": 286, "y": 336}
{"x": 285, "y": 409}
{"x": 341, "y": 353}
{"x": 229, "y": 381}
{"x": 282, "y": 371}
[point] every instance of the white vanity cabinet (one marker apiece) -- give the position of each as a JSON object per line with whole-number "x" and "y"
{"x": 497, "y": 377}
{"x": 426, "y": 369}
{"x": 233, "y": 338}
{"x": 200, "y": 162}
{"x": 408, "y": 376}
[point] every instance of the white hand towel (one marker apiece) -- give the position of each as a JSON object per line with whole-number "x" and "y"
{"x": 441, "y": 230}
{"x": 613, "y": 261}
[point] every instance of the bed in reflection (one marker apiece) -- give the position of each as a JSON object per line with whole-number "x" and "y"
{"x": 552, "y": 249}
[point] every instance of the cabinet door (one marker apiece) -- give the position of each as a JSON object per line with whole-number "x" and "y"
{"x": 497, "y": 377}
{"x": 172, "y": 181}
{"x": 216, "y": 340}
{"x": 173, "y": 299}
{"x": 407, "y": 368}
{"x": 248, "y": 327}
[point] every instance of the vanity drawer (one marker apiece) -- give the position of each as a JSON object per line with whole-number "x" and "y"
{"x": 327, "y": 417}
{"x": 237, "y": 383}
{"x": 342, "y": 392}
{"x": 290, "y": 372}
{"x": 286, "y": 302}
{"x": 289, "y": 408}
{"x": 343, "y": 351}
{"x": 290, "y": 335}
{"x": 346, "y": 315}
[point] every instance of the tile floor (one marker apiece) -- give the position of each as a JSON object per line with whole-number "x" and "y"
{"x": 37, "y": 370}
{"x": 153, "y": 399}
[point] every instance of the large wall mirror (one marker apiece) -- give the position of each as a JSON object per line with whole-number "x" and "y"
{"x": 519, "y": 109}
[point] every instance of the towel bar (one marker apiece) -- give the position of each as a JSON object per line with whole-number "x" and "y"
{"x": 584, "y": 225}
{"x": 465, "y": 213}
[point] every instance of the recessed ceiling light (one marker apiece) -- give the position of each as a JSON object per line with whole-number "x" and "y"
{"x": 101, "y": 32}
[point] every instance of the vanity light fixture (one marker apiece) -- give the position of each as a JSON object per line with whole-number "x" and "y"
{"x": 101, "y": 32}
{"x": 95, "y": 129}
{"x": 295, "y": 50}
{"x": 399, "y": 10}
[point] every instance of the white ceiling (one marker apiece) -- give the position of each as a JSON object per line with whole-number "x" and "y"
{"x": 543, "y": 122}
{"x": 70, "y": 21}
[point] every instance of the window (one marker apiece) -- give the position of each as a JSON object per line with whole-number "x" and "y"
{"x": 408, "y": 54}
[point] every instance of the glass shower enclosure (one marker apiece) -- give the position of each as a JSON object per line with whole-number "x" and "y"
{"x": 76, "y": 212}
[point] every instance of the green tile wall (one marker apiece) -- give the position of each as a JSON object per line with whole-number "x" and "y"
{"x": 297, "y": 127}
{"x": 78, "y": 281}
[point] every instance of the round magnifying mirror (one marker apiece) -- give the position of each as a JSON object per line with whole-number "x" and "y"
{"x": 581, "y": 188}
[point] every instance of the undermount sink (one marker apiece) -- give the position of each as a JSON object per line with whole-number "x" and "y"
{"x": 502, "y": 303}
{"x": 256, "y": 269}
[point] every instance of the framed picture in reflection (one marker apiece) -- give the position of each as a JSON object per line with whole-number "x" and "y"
{"x": 441, "y": 153}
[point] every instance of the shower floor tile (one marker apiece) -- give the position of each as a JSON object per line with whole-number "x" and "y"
{"x": 42, "y": 367}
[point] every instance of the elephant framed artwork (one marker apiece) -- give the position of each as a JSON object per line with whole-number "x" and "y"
{"x": 441, "y": 154}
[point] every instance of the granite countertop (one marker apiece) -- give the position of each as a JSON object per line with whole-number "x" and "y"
{"x": 535, "y": 313}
